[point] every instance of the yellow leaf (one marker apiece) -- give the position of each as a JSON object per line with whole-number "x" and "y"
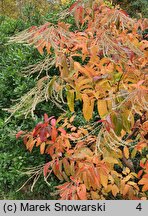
{"x": 133, "y": 154}
{"x": 126, "y": 171}
{"x": 128, "y": 120}
{"x": 110, "y": 160}
{"x": 126, "y": 152}
{"x": 50, "y": 85}
{"x": 65, "y": 1}
{"x": 65, "y": 176}
{"x": 94, "y": 195}
{"x": 133, "y": 184}
{"x": 127, "y": 178}
{"x": 103, "y": 179}
{"x": 102, "y": 108}
{"x": 78, "y": 67}
{"x": 118, "y": 68}
{"x": 104, "y": 61}
{"x": 72, "y": 168}
{"x": 88, "y": 107}
{"x": 91, "y": 179}
{"x": 70, "y": 100}
{"x": 115, "y": 190}
{"x": 109, "y": 188}
{"x": 82, "y": 153}
{"x": 83, "y": 83}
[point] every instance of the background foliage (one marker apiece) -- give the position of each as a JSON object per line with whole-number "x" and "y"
{"x": 13, "y": 155}
{"x": 135, "y": 8}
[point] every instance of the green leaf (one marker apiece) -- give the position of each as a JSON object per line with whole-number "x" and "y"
{"x": 70, "y": 99}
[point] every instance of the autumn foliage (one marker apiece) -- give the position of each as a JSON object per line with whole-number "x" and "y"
{"x": 102, "y": 65}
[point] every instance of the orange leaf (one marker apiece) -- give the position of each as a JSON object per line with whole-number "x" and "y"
{"x": 85, "y": 179}
{"x": 72, "y": 119}
{"x": 143, "y": 181}
{"x": 57, "y": 169}
{"x": 78, "y": 14}
{"x": 42, "y": 148}
{"x": 139, "y": 173}
{"x": 145, "y": 188}
{"x": 40, "y": 50}
{"x": 126, "y": 189}
{"x": 48, "y": 47}
{"x": 81, "y": 191}
{"x": 46, "y": 167}
{"x": 66, "y": 166}
{"x": 30, "y": 143}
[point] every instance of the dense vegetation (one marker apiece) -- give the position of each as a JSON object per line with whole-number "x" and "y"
{"x": 13, "y": 156}
{"x": 90, "y": 89}
{"x": 137, "y": 8}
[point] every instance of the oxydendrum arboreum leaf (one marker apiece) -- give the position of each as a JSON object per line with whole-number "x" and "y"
{"x": 70, "y": 100}
{"x": 102, "y": 108}
{"x": 88, "y": 106}
{"x": 100, "y": 71}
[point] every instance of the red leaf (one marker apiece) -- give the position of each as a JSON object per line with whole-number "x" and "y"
{"x": 43, "y": 134}
{"x": 32, "y": 28}
{"x": 54, "y": 134}
{"x": 139, "y": 173}
{"x": 53, "y": 122}
{"x": 19, "y": 134}
{"x": 124, "y": 12}
{"x": 107, "y": 124}
{"x": 74, "y": 5}
{"x": 80, "y": 12}
{"x": 37, "y": 129}
{"x": 45, "y": 117}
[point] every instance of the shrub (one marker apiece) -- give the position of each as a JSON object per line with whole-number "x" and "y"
{"x": 102, "y": 74}
{"x": 13, "y": 155}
